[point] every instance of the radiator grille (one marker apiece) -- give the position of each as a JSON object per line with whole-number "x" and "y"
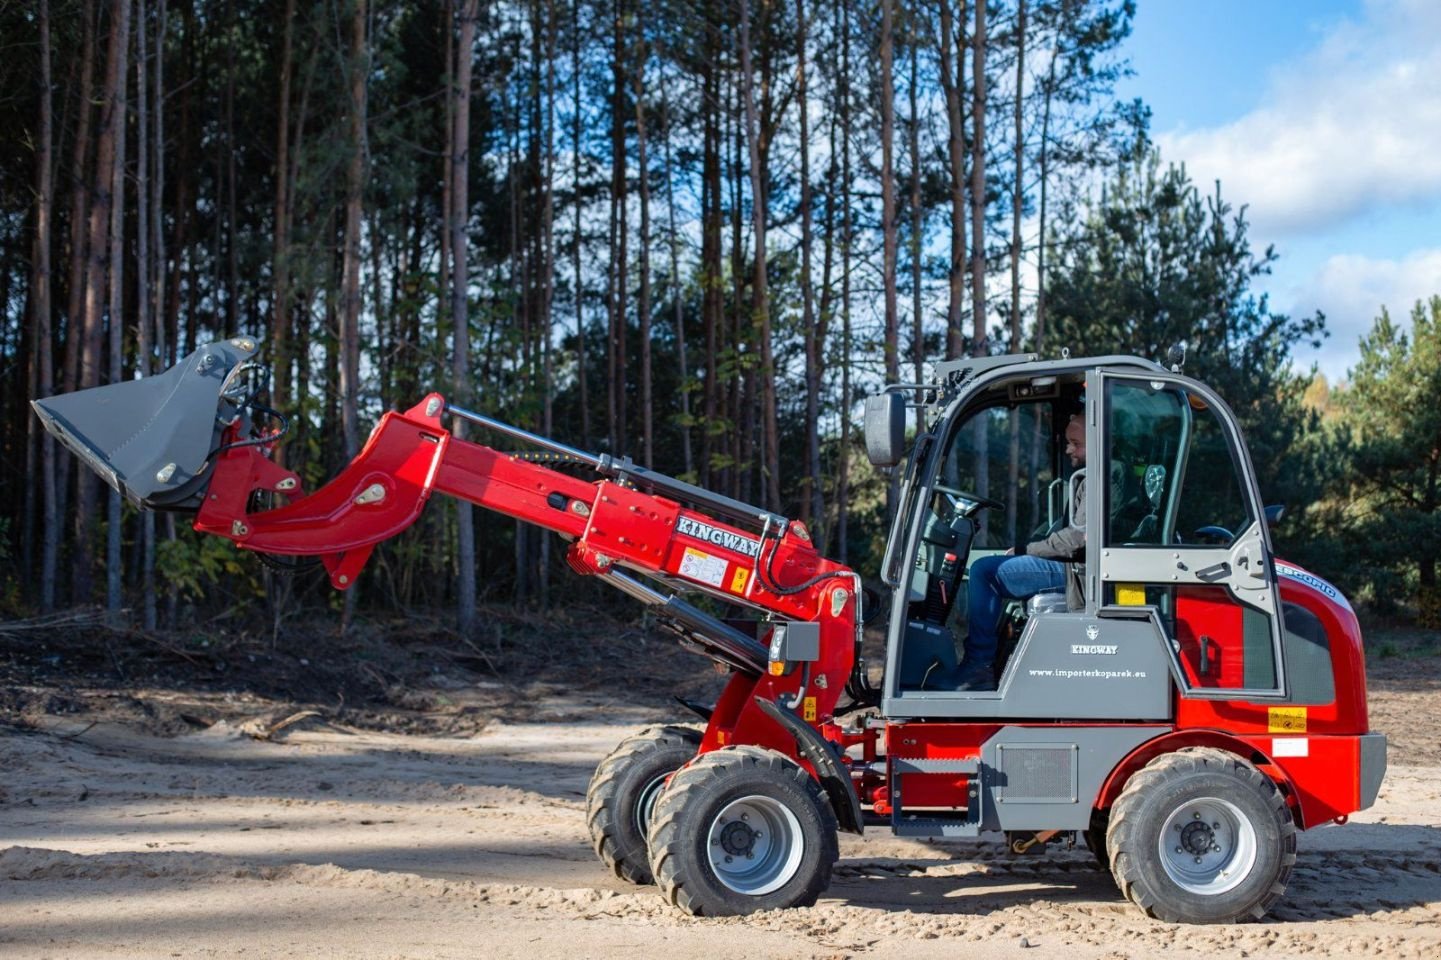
{"x": 1036, "y": 773}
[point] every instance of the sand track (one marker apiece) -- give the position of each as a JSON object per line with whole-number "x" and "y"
{"x": 337, "y": 842}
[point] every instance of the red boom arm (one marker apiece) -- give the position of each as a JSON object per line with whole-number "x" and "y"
{"x": 610, "y": 525}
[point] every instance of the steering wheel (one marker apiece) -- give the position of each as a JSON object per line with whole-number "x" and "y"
{"x": 965, "y": 502}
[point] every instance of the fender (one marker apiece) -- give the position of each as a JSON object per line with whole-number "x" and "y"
{"x": 1176, "y": 740}
{"x": 814, "y": 750}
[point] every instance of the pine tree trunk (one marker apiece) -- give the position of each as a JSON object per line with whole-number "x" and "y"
{"x": 164, "y": 348}
{"x": 447, "y": 177}
{"x": 582, "y": 360}
{"x": 144, "y": 322}
{"x": 232, "y": 250}
{"x": 113, "y": 598}
{"x": 956, "y": 153}
{"x": 41, "y": 314}
{"x": 677, "y": 295}
{"x": 843, "y": 467}
{"x": 891, "y": 344}
{"x": 1017, "y": 196}
{"x": 711, "y": 225}
{"x": 647, "y": 401}
{"x": 98, "y": 270}
{"x": 888, "y": 192}
{"x": 737, "y": 402}
{"x": 980, "y": 335}
{"x": 619, "y": 264}
{"x": 280, "y": 259}
{"x": 75, "y": 316}
{"x": 760, "y": 296}
{"x": 980, "y": 342}
{"x": 918, "y": 340}
{"x": 547, "y": 322}
{"x": 354, "y": 214}
{"x": 814, "y": 343}
{"x": 460, "y": 252}
{"x": 75, "y": 340}
{"x": 823, "y": 527}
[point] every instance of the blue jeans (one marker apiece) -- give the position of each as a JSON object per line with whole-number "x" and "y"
{"x": 994, "y": 580}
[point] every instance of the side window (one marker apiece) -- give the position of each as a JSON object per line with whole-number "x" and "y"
{"x": 1172, "y": 476}
{"x": 1212, "y": 508}
{"x": 1008, "y": 453}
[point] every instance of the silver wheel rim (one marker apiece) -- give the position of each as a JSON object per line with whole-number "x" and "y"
{"x": 645, "y": 803}
{"x": 1207, "y": 846}
{"x": 755, "y": 845}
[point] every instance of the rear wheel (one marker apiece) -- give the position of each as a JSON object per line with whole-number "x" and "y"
{"x": 1201, "y": 836}
{"x": 623, "y": 792}
{"x": 740, "y": 830}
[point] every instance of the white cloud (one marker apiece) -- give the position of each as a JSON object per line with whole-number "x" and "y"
{"x": 1352, "y": 124}
{"x": 1352, "y": 289}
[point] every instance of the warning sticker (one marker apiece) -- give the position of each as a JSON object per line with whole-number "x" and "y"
{"x": 738, "y": 582}
{"x": 1130, "y": 595}
{"x": 703, "y": 567}
{"x": 808, "y": 709}
{"x": 1286, "y": 720}
{"x": 1290, "y": 747}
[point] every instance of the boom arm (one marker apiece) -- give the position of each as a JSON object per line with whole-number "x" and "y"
{"x": 620, "y": 523}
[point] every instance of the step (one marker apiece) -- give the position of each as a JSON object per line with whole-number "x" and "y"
{"x": 970, "y": 766}
{"x": 942, "y": 827}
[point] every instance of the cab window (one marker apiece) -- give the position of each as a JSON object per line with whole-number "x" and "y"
{"x": 1008, "y": 453}
{"x": 1173, "y": 477}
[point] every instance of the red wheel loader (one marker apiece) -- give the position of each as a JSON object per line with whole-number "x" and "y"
{"x": 1186, "y": 711}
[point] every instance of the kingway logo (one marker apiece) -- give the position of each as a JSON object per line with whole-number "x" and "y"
{"x": 720, "y": 538}
{"x": 1106, "y": 649}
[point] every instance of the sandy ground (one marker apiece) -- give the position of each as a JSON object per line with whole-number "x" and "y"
{"x": 327, "y": 841}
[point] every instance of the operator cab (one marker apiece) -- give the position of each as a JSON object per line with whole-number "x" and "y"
{"x": 1169, "y": 591}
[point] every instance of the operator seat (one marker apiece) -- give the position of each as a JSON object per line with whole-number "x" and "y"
{"x": 1050, "y": 601}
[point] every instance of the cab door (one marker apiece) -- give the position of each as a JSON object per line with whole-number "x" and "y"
{"x": 1182, "y": 531}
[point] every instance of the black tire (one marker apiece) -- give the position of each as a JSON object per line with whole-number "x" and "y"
{"x": 623, "y": 791}
{"x": 1096, "y": 838}
{"x": 1229, "y": 839}
{"x": 712, "y": 815}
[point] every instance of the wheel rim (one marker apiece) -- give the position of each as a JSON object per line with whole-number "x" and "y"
{"x": 645, "y": 803}
{"x": 755, "y": 845}
{"x": 1207, "y": 846}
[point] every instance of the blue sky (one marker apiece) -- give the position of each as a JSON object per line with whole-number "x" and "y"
{"x": 1323, "y": 117}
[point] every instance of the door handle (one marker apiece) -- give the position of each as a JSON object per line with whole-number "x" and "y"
{"x": 1216, "y": 571}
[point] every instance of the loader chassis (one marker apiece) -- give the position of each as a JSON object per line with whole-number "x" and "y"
{"x": 1208, "y": 698}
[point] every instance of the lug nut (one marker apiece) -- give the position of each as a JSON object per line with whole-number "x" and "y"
{"x": 728, "y": 859}
{"x": 1198, "y": 859}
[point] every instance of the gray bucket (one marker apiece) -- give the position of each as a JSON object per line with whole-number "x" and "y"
{"x": 152, "y": 439}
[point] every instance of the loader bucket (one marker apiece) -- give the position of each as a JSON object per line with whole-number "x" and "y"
{"x": 152, "y": 439}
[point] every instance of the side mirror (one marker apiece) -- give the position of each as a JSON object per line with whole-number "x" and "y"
{"x": 1274, "y": 512}
{"x": 886, "y": 429}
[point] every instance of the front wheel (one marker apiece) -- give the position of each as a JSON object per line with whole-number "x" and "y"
{"x": 623, "y": 792}
{"x": 1201, "y": 836}
{"x": 739, "y": 830}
